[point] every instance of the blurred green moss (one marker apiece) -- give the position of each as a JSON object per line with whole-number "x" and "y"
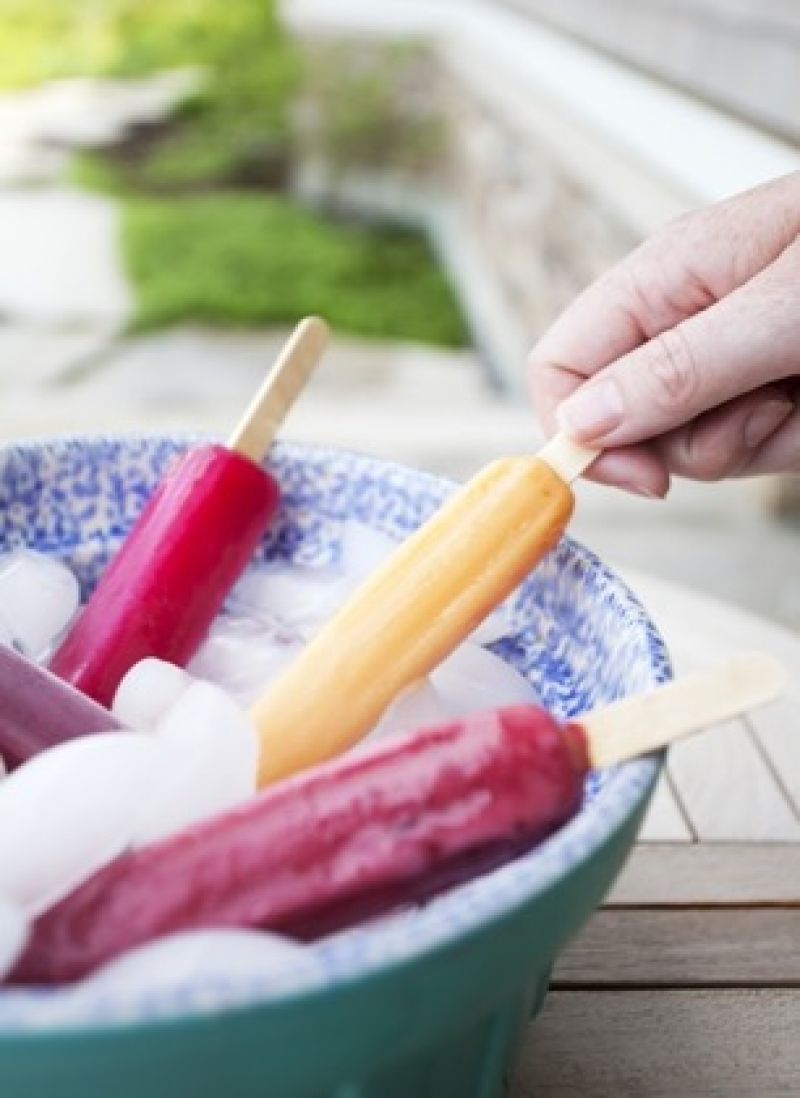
{"x": 244, "y": 260}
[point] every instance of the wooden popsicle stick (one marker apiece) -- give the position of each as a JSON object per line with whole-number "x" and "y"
{"x": 566, "y": 458}
{"x": 647, "y": 722}
{"x": 258, "y": 426}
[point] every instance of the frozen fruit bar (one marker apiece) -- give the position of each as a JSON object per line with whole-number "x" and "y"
{"x": 411, "y": 613}
{"x": 346, "y": 841}
{"x": 168, "y": 582}
{"x": 39, "y": 710}
{"x": 193, "y": 540}
{"x": 369, "y": 833}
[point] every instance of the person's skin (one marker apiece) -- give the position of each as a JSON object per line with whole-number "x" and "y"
{"x": 684, "y": 359}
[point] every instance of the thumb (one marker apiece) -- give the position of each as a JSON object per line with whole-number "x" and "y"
{"x": 749, "y": 338}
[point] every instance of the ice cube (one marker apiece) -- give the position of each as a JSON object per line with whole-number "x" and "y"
{"x": 229, "y": 955}
{"x": 38, "y": 598}
{"x": 363, "y": 549}
{"x": 148, "y": 691}
{"x": 6, "y": 636}
{"x": 299, "y": 599}
{"x": 212, "y": 763}
{"x": 192, "y": 954}
{"x": 418, "y": 707}
{"x": 244, "y": 655}
{"x": 68, "y": 811}
{"x": 13, "y": 934}
{"x": 472, "y": 679}
{"x": 302, "y": 599}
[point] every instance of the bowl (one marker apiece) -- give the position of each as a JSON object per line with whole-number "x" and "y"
{"x": 431, "y": 1004}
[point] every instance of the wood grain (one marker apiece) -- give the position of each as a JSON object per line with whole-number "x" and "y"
{"x": 726, "y": 947}
{"x": 709, "y": 1043}
{"x": 254, "y": 433}
{"x": 664, "y": 822}
{"x": 728, "y": 792}
{"x": 777, "y": 730}
{"x": 660, "y": 874}
{"x": 694, "y": 701}
{"x": 700, "y": 629}
{"x": 679, "y": 986}
{"x": 566, "y": 458}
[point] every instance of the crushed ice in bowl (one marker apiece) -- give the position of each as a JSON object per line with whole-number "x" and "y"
{"x": 190, "y": 752}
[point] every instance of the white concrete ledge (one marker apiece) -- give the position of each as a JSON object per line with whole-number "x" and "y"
{"x": 693, "y": 153}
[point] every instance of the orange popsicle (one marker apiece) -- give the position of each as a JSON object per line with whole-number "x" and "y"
{"x": 417, "y": 608}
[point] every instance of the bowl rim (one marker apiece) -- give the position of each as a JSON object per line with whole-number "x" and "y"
{"x": 623, "y": 794}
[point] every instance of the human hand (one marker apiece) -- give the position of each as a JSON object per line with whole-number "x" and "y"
{"x": 685, "y": 358}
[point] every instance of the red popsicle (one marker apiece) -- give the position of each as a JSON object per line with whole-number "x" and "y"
{"x": 342, "y": 842}
{"x": 364, "y": 834}
{"x": 191, "y": 543}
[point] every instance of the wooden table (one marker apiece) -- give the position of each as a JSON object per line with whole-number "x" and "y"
{"x": 687, "y": 981}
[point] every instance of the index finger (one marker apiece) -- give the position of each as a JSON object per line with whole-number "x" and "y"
{"x": 638, "y": 469}
{"x": 592, "y": 333}
{"x": 595, "y": 330}
{"x": 685, "y": 267}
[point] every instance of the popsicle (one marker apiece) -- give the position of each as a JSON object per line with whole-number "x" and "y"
{"x": 431, "y": 593}
{"x": 191, "y": 543}
{"x": 39, "y": 710}
{"x": 366, "y": 834}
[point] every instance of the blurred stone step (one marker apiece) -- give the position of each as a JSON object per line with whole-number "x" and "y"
{"x": 32, "y": 357}
{"x": 82, "y": 112}
{"x": 59, "y": 262}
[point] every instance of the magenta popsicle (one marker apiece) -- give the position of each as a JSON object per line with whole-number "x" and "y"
{"x": 39, "y": 710}
{"x": 168, "y": 582}
{"x": 193, "y": 540}
{"x": 346, "y": 841}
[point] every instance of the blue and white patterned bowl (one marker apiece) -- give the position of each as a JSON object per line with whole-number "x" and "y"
{"x": 578, "y": 634}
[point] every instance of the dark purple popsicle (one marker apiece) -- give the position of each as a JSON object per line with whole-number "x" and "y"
{"x": 38, "y": 710}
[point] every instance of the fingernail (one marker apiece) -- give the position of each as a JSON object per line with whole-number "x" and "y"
{"x": 642, "y": 490}
{"x": 591, "y": 411}
{"x": 761, "y": 423}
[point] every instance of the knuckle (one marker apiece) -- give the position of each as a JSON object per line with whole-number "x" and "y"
{"x": 693, "y": 454}
{"x": 673, "y": 371}
{"x": 711, "y": 464}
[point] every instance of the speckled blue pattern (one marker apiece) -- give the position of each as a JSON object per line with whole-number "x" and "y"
{"x": 577, "y": 633}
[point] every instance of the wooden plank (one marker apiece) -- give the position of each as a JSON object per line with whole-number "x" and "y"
{"x": 665, "y": 875}
{"x": 664, "y": 822}
{"x": 727, "y": 791}
{"x": 777, "y": 730}
{"x": 714, "y": 1043}
{"x": 728, "y": 947}
{"x": 700, "y": 629}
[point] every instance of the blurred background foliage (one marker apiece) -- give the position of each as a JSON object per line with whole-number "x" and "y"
{"x": 239, "y": 258}
{"x": 212, "y": 230}
{"x": 371, "y": 107}
{"x": 251, "y": 66}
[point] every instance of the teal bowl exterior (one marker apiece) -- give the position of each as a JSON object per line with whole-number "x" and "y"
{"x": 444, "y": 1023}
